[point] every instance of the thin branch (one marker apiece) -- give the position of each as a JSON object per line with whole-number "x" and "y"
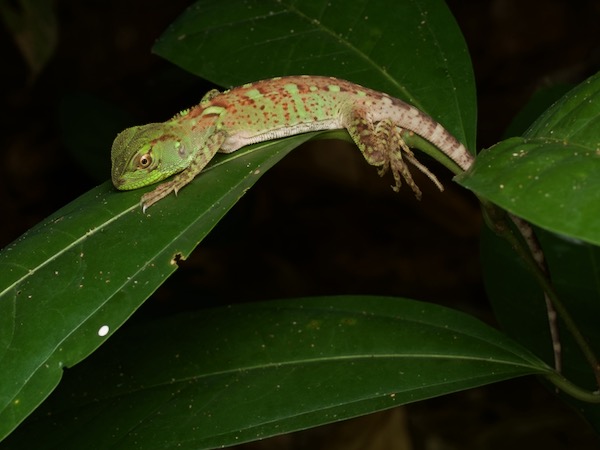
{"x": 500, "y": 222}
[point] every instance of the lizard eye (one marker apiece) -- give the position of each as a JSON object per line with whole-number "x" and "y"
{"x": 144, "y": 161}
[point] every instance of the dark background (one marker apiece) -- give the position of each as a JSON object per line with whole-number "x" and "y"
{"x": 321, "y": 222}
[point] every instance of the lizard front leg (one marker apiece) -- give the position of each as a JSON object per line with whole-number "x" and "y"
{"x": 201, "y": 159}
{"x": 382, "y": 146}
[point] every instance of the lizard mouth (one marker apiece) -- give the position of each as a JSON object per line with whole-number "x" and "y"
{"x": 118, "y": 182}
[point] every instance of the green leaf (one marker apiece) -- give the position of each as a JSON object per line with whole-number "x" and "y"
{"x": 574, "y": 118}
{"x": 93, "y": 263}
{"x": 230, "y": 375}
{"x": 551, "y": 176}
{"x": 412, "y": 49}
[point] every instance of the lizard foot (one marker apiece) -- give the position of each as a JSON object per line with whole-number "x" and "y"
{"x": 382, "y": 145}
{"x": 161, "y": 191}
{"x": 402, "y": 148}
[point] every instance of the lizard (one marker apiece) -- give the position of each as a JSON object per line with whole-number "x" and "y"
{"x": 286, "y": 106}
{"x": 270, "y": 109}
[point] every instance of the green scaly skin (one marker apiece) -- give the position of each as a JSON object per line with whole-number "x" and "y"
{"x": 271, "y": 109}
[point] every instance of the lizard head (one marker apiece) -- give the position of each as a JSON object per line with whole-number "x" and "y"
{"x": 143, "y": 155}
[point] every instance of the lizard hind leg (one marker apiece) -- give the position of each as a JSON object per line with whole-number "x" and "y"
{"x": 396, "y": 148}
{"x": 382, "y": 146}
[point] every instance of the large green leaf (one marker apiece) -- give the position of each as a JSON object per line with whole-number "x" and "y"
{"x": 229, "y": 375}
{"x": 93, "y": 263}
{"x": 412, "y": 49}
{"x": 551, "y": 176}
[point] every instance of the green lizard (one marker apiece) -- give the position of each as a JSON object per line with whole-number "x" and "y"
{"x": 271, "y": 109}
{"x": 280, "y": 107}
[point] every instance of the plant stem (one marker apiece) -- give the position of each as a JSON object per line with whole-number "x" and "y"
{"x": 573, "y": 390}
{"x": 499, "y": 222}
{"x": 527, "y": 247}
